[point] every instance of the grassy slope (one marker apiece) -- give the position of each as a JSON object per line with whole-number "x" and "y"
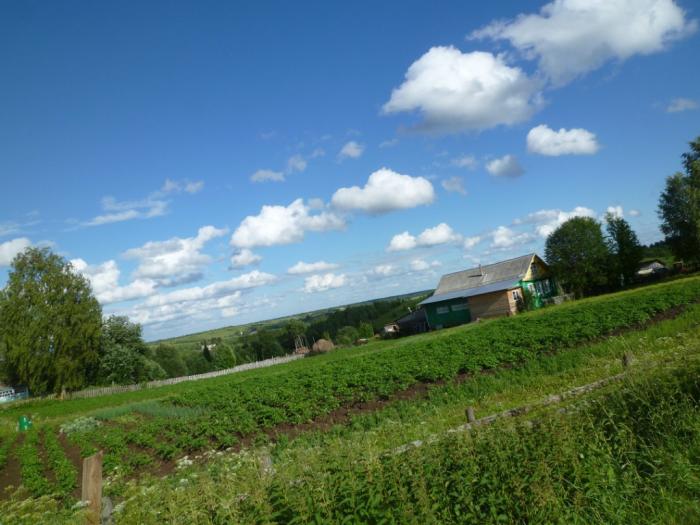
{"x": 371, "y": 434}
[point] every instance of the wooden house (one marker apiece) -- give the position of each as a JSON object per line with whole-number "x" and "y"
{"x": 490, "y": 290}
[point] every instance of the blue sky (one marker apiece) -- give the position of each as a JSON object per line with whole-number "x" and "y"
{"x": 187, "y": 158}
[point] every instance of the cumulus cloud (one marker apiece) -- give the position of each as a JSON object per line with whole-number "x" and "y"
{"x": 420, "y": 265}
{"x": 351, "y": 150}
{"x": 383, "y": 270}
{"x": 303, "y": 267}
{"x": 470, "y": 242}
{"x": 176, "y": 260}
{"x": 504, "y": 238}
{"x": 506, "y": 166}
{"x": 546, "y": 221}
{"x": 616, "y": 211}
{"x": 634, "y": 213}
{"x": 214, "y": 290}
{"x": 322, "y": 282}
{"x": 569, "y": 38}
{"x": 267, "y": 175}
{"x": 9, "y": 249}
{"x": 244, "y": 257}
{"x": 454, "y": 185}
{"x": 465, "y": 161}
{"x": 457, "y": 91}
{"x": 681, "y": 104}
{"x": 276, "y": 225}
{"x": 390, "y": 143}
{"x": 440, "y": 234}
{"x": 104, "y": 280}
{"x": 385, "y": 191}
{"x": 545, "y": 141}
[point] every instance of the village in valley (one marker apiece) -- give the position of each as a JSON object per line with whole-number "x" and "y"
{"x": 303, "y": 263}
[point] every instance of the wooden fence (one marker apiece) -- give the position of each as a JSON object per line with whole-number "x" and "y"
{"x": 107, "y": 390}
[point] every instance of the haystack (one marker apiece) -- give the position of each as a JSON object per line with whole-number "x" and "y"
{"x": 323, "y": 345}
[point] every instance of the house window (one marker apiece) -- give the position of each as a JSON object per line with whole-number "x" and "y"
{"x": 545, "y": 287}
{"x": 538, "y": 287}
{"x": 531, "y": 287}
{"x": 442, "y": 310}
{"x": 460, "y": 307}
{"x": 516, "y": 295}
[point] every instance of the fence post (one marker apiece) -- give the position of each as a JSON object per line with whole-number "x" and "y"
{"x": 92, "y": 486}
{"x": 470, "y": 414}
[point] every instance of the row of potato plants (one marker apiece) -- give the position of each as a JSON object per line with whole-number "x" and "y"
{"x": 230, "y": 410}
{"x": 63, "y": 469}
{"x": 31, "y": 464}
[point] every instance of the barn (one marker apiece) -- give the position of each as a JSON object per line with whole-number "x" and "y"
{"x": 490, "y": 290}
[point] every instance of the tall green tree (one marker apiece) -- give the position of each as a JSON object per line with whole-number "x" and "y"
{"x": 170, "y": 359}
{"x": 50, "y": 324}
{"x": 578, "y": 256}
{"x": 625, "y": 250}
{"x": 124, "y": 359}
{"x": 679, "y": 207}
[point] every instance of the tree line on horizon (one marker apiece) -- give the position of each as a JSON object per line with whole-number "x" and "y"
{"x": 54, "y": 338}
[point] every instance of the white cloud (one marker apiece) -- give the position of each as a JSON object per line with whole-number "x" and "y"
{"x": 244, "y": 257}
{"x": 276, "y": 225}
{"x": 214, "y": 290}
{"x": 503, "y": 238}
{"x": 454, "y": 184}
{"x": 383, "y": 270}
{"x": 389, "y": 143}
{"x": 267, "y": 175}
{"x": 9, "y": 249}
{"x": 457, "y": 91}
{"x": 572, "y": 37}
{"x": 470, "y": 242}
{"x": 323, "y": 282}
{"x": 152, "y": 206}
{"x": 104, "y": 280}
{"x": 546, "y": 141}
{"x": 465, "y": 161}
{"x": 440, "y": 234}
{"x": 351, "y": 150}
{"x": 296, "y": 163}
{"x": 402, "y": 241}
{"x": 419, "y": 265}
{"x": 128, "y": 210}
{"x": 506, "y": 166}
{"x": 616, "y": 211}
{"x": 385, "y": 191}
{"x": 176, "y": 260}
{"x": 318, "y": 152}
{"x": 681, "y": 104}
{"x": 303, "y": 267}
{"x": 175, "y": 186}
{"x": 546, "y": 221}
{"x": 634, "y": 213}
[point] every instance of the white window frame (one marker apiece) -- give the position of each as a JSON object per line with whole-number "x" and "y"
{"x": 460, "y": 307}
{"x": 442, "y": 310}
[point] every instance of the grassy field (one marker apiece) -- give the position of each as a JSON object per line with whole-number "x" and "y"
{"x": 144, "y": 430}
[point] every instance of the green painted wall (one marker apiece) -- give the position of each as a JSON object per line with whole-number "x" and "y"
{"x": 547, "y": 288}
{"x": 453, "y": 317}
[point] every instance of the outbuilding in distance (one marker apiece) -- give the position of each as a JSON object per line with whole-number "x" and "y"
{"x": 490, "y": 290}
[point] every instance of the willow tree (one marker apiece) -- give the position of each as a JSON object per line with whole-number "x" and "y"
{"x": 50, "y": 324}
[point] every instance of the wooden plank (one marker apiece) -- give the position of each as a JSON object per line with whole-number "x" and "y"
{"x": 92, "y": 486}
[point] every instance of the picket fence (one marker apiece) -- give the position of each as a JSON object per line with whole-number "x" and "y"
{"x": 107, "y": 390}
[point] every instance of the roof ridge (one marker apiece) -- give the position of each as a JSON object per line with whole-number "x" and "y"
{"x": 531, "y": 254}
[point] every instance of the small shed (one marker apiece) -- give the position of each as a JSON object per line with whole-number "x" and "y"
{"x": 654, "y": 267}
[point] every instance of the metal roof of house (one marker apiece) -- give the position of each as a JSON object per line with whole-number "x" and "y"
{"x": 482, "y": 279}
{"x": 471, "y": 292}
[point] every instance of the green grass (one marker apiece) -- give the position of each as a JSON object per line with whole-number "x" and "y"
{"x": 232, "y": 488}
